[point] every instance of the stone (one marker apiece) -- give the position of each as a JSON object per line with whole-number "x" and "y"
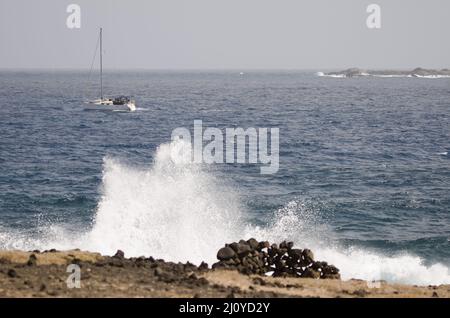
{"x": 330, "y": 269}
{"x": 203, "y": 266}
{"x": 234, "y": 246}
{"x": 311, "y": 273}
{"x": 12, "y": 273}
{"x": 229, "y": 262}
{"x": 243, "y": 250}
{"x": 259, "y": 281}
{"x": 253, "y": 257}
{"x": 331, "y": 276}
{"x": 317, "y": 266}
{"x": 243, "y": 242}
{"x": 308, "y": 256}
{"x": 119, "y": 254}
{"x": 193, "y": 276}
{"x": 280, "y": 274}
{"x": 219, "y": 265}
{"x": 32, "y": 260}
{"x": 295, "y": 253}
{"x": 263, "y": 245}
{"x": 202, "y": 281}
{"x": 76, "y": 261}
{"x": 225, "y": 253}
{"x": 280, "y": 265}
{"x": 158, "y": 271}
{"x": 253, "y": 244}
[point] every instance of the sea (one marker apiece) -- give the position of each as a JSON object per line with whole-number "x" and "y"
{"x": 363, "y": 179}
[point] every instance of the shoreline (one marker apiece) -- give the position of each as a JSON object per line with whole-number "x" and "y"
{"x": 44, "y": 274}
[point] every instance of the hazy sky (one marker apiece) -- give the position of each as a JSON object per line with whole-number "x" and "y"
{"x": 226, "y": 34}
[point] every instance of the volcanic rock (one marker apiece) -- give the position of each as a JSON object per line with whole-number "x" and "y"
{"x": 253, "y": 257}
{"x": 225, "y": 253}
{"x": 310, "y": 273}
{"x": 32, "y": 260}
{"x": 243, "y": 250}
{"x": 12, "y": 273}
{"x": 119, "y": 254}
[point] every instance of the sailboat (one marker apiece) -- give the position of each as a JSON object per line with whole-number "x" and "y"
{"x": 120, "y": 103}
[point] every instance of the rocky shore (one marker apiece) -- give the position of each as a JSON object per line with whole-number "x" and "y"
{"x": 283, "y": 260}
{"x": 244, "y": 269}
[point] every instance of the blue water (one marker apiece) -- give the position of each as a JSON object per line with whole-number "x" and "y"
{"x": 365, "y": 157}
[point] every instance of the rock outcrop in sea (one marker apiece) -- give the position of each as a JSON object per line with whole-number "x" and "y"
{"x": 417, "y": 72}
{"x": 283, "y": 260}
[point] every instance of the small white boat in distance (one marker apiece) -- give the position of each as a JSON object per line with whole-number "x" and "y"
{"x": 121, "y": 103}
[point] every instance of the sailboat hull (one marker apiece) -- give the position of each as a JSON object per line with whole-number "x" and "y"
{"x": 109, "y": 106}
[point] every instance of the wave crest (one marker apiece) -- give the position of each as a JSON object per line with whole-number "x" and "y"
{"x": 181, "y": 211}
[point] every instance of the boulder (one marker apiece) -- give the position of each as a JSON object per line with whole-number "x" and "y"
{"x": 296, "y": 254}
{"x": 262, "y": 245}
{"x": 225, "y": 253}
{"x": 308, "y": 256}
{"x": 234, "y": 246}
{"x": 203, "y": 266}
{"x": 330, "y": 269}
{"x": 331, "y": 276}
{"x": 311, "y": 273}
{"x": 119, "y": 254}
{"x": 243, "y": 250}
{"x": 283, "y": 245}
{"x": 12, "y": 273}
{"x": 253, "y": 244}
{"x": 32, "y": 260}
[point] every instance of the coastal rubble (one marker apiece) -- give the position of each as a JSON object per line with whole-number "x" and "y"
{"x": 282, "y": 260}
{"x": 44, "y": 274}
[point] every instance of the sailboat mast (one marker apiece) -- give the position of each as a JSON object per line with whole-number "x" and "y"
{"x": 101, "y": 63}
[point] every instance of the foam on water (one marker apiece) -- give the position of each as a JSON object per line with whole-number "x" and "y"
{"x": 174, "y": 210}
{"x": 296, "y": 222}
{"x": 184, "y": 212}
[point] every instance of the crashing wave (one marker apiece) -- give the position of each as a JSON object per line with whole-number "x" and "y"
{"x": 181, "y": 211}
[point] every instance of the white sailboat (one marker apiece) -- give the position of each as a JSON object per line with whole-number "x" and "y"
{"x": 121, "y": 103}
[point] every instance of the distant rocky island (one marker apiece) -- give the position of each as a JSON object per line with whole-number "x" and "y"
{"x": 417, "y": 72}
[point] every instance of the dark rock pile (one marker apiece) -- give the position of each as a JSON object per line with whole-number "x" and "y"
{"x": 253, "y": 257}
